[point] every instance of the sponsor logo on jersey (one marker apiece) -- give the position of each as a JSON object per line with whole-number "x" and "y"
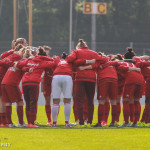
{"x": 35, "y": 65}
{"x": 62, "y": 62}
{"x": 12, "y": 69}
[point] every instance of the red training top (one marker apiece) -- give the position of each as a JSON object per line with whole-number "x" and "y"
{"x": 84, "y": 53}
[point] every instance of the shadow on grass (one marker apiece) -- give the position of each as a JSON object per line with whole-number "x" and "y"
{"x": 76, "y": 127}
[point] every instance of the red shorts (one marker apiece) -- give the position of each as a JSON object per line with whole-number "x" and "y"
{"x": 107, "y": 89}
{"x": 133, "y": 91}
{"x": 47, "y": 90}
{"x": 11, "y": 93}
{"x": 147, "y": 88}
{"x": 120, "y": 87}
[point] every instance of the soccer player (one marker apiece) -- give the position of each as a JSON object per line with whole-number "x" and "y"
{"x": 46, "y": 83}
{"x": 62, "y": 82}
{"x": 106, "y": 89}
{"x": 144, "y": 64}
{"x": 85, "y": 80}
{"x": 31, "y": 81}
{"x": 132, "y": 90}
{"x": 10, "y": 90}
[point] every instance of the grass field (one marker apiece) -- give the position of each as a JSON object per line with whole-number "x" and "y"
{"x": 75, "y": 138}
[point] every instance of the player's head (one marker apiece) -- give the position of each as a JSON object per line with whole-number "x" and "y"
{"x": 64, "y": 55}
{"x": 21, "y": 41}
{"x": 28, "y": 52}
{"x": 41, "y": 51}
{"x": 129, "y": 54}
{"x": 81, "y": 43}
{"x": 119, "y": 57}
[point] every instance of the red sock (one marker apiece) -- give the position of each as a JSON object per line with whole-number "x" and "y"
{"x": 54, "y": 122}
{"x": 126, "y": 111}
{"x": 113, "y": 113}
{"x": 28, "y": 116}
{"x": 85, "y": 111}
{"x": 0, "y": 118}
{"x": 144, "y": 114}
{"x": 48, "y": 112}
{"x": 100, "y": 113}
{"x": 75, "y": 111}
{"x": 106, "y": 112}
{"x": 67, "y": 122}
{"x": 8, "y": 113}
{"x": 118, "y": 111}
{"x": 147, "y": 113}
{"x": 32, "y": 116}
{"x": 85, "y": 115}
{"x": 132, "y": 109}
{"x": 3, "y": 118}
{"x": 137, "y": 111}
{"x": 1, "y": 114}
{"x": 20, "y": 114}
{"x": 35, "y": 114}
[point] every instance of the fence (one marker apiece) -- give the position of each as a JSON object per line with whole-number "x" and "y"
{"x": 106, "y": 47}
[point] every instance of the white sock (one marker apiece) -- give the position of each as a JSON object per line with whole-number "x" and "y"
{"x": 67, "y": 111}
{"x": 55, "y": 110}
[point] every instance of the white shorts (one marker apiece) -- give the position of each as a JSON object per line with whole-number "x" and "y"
{"x": 62, "y": 83}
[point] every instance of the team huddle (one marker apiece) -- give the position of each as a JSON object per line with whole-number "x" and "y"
{"x": 76, "y": 75}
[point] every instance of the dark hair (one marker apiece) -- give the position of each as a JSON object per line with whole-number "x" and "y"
{"x": 41, "y": 51}
{"x": 130, "y": 53}
{"x": 64, "y": 55}
{"x": 100, "y": 53}
{"x": 119, "y": 57}
{"x": 19, "y": 41}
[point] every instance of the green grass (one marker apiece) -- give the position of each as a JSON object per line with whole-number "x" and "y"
{"x": 60, "y": 138}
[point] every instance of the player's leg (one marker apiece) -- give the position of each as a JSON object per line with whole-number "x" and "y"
{"x": 56, "y": 91}
{"x": 101, "y": 96}
{"x": 47, "y": 96}
{"x": 113, "y": 87}
{"x": 80, "y": 92}
{"x": 90, "y": 92}
{"x": 34, "y": 94}
{"x": 132, "y": 110}
{"x": 146, "y": 112}
{"x": 55, "y": 110}
{"x": 137, "y": 105}
{"x": 26, "y": 92}
{"x": 7, "y": 104}
{"x": 85, "y": 109}
{"x": 127, "y": 97}
{"x": 67, "y": 92}
{"x": 67, "y": 110}
{"x": 2, "y": 113}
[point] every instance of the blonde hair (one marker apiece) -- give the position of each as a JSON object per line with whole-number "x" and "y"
{"x": 18, "y": 47}
{"x": 22, "y": 50}
{"x": 19, "y": 41}
{"x": 81, "y": 43}
{"x": 27, "y": 52}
